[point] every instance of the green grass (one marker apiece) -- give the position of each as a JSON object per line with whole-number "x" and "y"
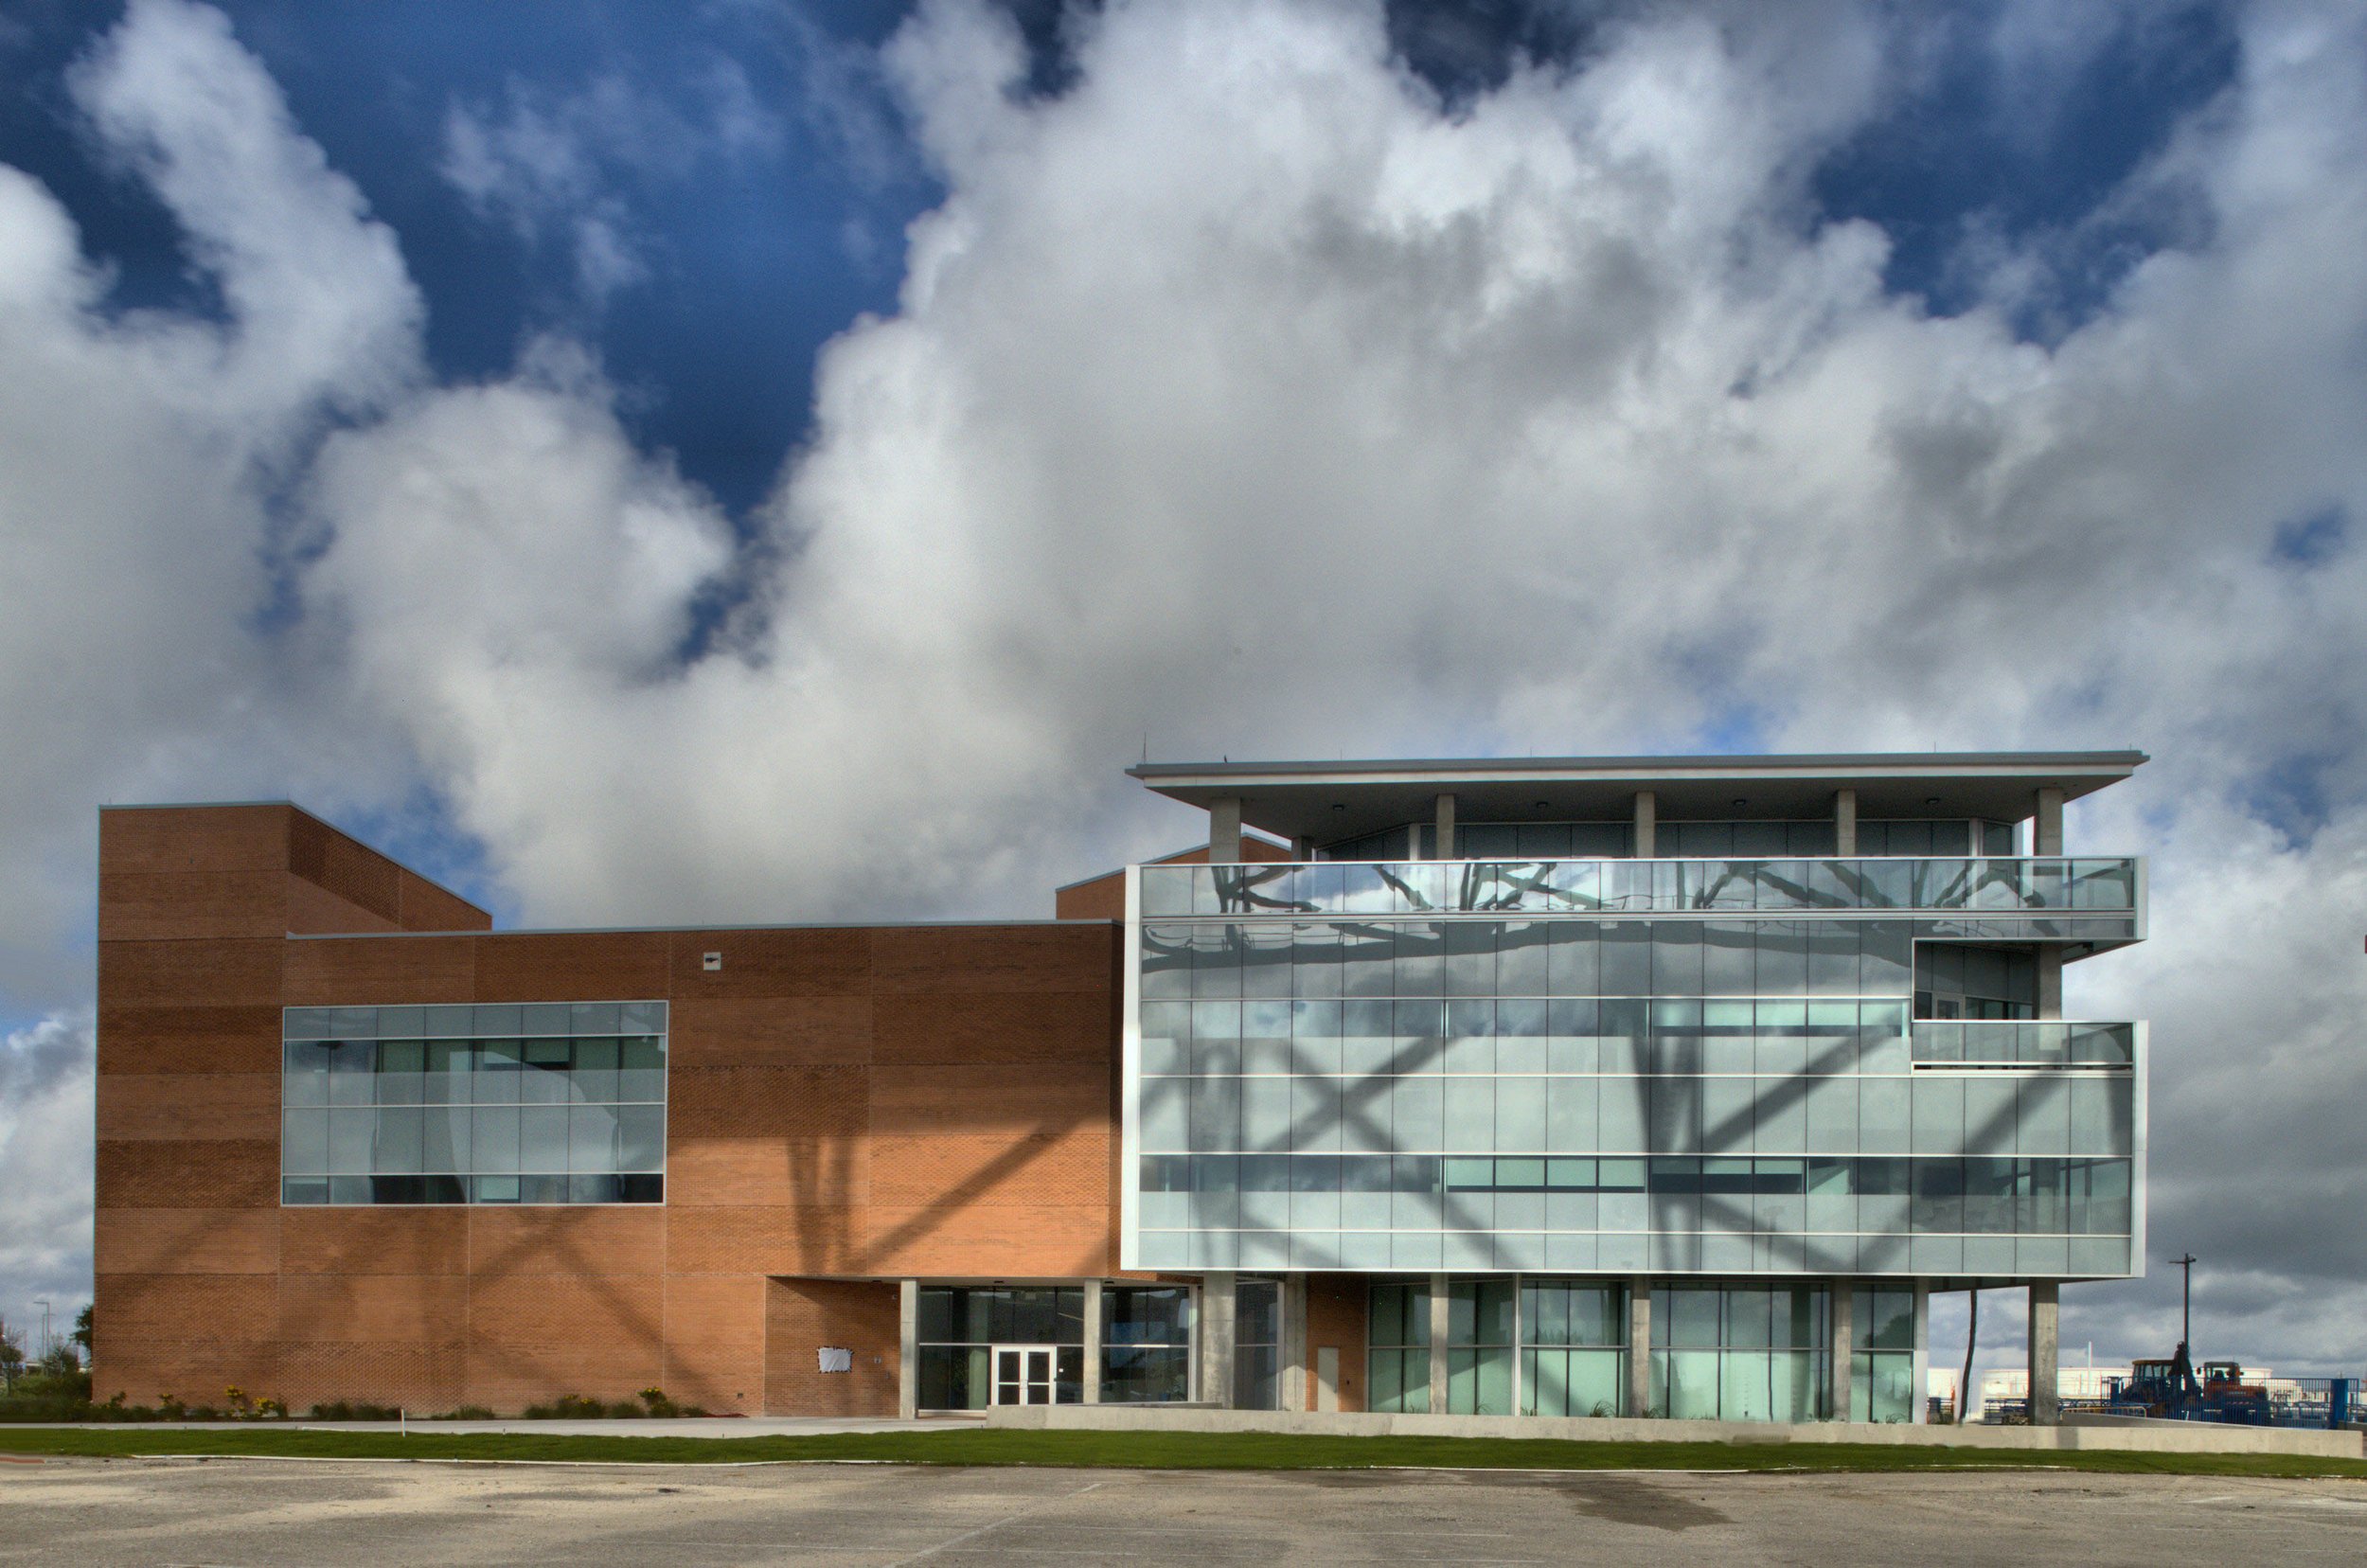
{"x": 1136, "y": 1450}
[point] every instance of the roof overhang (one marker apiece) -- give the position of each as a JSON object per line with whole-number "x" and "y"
{"x": 1325, "y": 801}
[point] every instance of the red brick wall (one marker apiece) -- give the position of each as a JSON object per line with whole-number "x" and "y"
{"x": 803, "y": 1316}
{"x": 923, "y": 1100}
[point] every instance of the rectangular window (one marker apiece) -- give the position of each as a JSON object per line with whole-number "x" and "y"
{"x": 539, "y": 1103}
{"x": 1398, "y": 1375}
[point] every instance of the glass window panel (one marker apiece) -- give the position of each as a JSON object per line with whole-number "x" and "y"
{"x": 1573, "y": 958}
{"x": 304, "y": 1141}
{"x": 396, "y": 1143}
{"x": 446, "y": 1146}
{"x": 641, "y": 1137}
{"x": 595, "y": 1070}
{"x": 493, "y": 1138}
{"x": 542, "y": 1139}
{"x": 1781, "y": 958}
{"x": 303, "y": 1074}
{"x": 352, "y": 1078}
{"x": 1677, "y": 957}
{"x": 1627, "y": 957}
{"x": 543, "y": 1075}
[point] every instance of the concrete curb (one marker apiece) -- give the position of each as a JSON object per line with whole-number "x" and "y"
{"x": 2179, "y": 1438}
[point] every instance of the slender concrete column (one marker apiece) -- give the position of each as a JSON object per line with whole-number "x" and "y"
{"x": 1844, "y": 822}
{"x": 1646, "y": 814}
{"x": 2046, "y": 1407}
{"x": 2049, "y": 976}
{"x": 1093, "y": 1341}
{"x": 1639, "y": 1347}
{"x": 1219, "y": 1295}
{"x": 2047, "y": 826}
{"x": 908, "y": 1348}
{"x": 1844, "y": 1344}
{"x": 1224, "y": 830}
{"x": 1294, "y": 1394}
{"x": 1440, "y": 1322}
{"x": 1445, "y": 847}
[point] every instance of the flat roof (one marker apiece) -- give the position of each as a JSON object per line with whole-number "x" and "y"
{"x": 1325, "y": 801}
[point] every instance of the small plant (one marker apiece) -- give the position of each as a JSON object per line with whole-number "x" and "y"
{"x": 659, "y": 1404}
{"x": 468, "y": 1413}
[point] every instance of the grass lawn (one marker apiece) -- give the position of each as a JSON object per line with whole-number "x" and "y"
{"x": 1133, "y": 1450}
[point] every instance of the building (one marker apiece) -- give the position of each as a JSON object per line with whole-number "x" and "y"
{"x": 1558, "y": 1086}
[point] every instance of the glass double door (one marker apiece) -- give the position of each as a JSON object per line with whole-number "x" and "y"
{"x": 1024, "y": 1374}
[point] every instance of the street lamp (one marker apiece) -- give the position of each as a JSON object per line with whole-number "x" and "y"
{"x": 43, "y": 1302}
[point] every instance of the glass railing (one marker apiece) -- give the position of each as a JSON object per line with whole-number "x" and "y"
{"x": 1997, "y": 1043}
{"x": 2015, "y": 885}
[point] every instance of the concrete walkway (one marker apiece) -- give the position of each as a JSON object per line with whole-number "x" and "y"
{"x": 689, "y": 1426}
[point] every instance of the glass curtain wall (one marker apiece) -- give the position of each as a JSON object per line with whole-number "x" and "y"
{"x": 1145, "y": 1344}
{"x": 1398, "y": 1349}
{"x": 491, "y": 1103}
{"x": 1570, "y": 1094}
{"x": 959, "y": 1325}
{"x": 1479, "y": 1347}
{"x": 1746, "y": 1354}
{"x": 1574, "y": 1348}
{"x": 1256, "y": 1343}
{"x": 1882, "y": 1355}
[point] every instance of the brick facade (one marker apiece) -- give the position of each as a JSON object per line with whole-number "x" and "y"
{"x": 862, "y": 1103}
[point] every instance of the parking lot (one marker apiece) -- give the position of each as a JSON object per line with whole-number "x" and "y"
{"x": 74, "y": 1511}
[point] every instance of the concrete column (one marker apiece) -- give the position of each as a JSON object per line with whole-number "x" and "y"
{"x": 1844, "y": 1344}
{"x": 2050, "y": 967}
{"x": 2047, "y": 824}
{"x": 908, "y": 1348}
{"x": 1639, "y": 1347}
{"x": 1921, "y": 1404}
{"x": 1438, "y": 1330}
{"x": 1646, "y": 814}
{"x": 1446, "y": 845}
{"x": 1844, "y": 822}
{"x": 1217, "y": 1298}
{"x": 2046, "y": 1409}
{"x": 1224, "y": 830}
{"x": 1294, "y": 1393}
{"x": 1093, "y": 1341}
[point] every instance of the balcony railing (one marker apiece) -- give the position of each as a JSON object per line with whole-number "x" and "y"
{"x": 2006, "y": 886}
{"x": 1995, "y": 1042}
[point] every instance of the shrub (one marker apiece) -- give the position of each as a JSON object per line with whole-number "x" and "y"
{"x": 468, "y": 1413}
{"x": 346, "y": 1410}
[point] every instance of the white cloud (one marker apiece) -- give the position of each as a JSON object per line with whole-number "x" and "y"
{"x": 1241, "y": 394}
{"x": 45, "y": 1169}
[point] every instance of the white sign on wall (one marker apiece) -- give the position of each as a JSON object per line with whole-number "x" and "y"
{"x": 833, "y": 1359}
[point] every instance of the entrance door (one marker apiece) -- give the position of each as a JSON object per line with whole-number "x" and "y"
{"x": 1023, "y": 1374}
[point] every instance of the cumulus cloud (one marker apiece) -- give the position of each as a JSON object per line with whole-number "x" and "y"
{"x": 553, "y": 165}
{"x": 45, "y": 1166}
{"x": 1245, "y": 393}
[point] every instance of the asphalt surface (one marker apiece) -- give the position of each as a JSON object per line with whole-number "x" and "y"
{"x": 75, "y": 1511}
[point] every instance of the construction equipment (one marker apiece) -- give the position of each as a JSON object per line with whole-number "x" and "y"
{"x": 2170, "y": 1390}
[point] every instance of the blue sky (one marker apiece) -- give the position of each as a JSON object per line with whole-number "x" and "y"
{"x": 759, "y": 249}
{"x": 759, "y": 461}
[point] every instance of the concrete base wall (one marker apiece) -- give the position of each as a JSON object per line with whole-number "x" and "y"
{"x": 2165, "y": 1438}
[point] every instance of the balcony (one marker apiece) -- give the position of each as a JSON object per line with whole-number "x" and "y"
{"x": 1991, "y": 1043}
{"x": 2018, "y": 885}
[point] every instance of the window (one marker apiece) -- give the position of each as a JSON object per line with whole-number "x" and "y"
{"x": 1397, "y": 1377}
{"x": 1882, "y": 1360}
{"x": 1741, "y": 1354}
{"x": 958, "y": 1326}
{"x": 1574, "y": 1348}
{"x": 1256, "y": 1343}
{"x": 1145, "y": 1344}
{"x": 509, "y": 1103}
{"x": 1479, "y": 1347}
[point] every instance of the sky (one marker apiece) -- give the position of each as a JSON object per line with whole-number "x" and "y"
{"x": 751, "y": 461}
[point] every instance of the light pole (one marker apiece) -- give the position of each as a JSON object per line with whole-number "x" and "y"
{"x": 43, "y": 1303}
{"x": 2187, "y": 1303}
